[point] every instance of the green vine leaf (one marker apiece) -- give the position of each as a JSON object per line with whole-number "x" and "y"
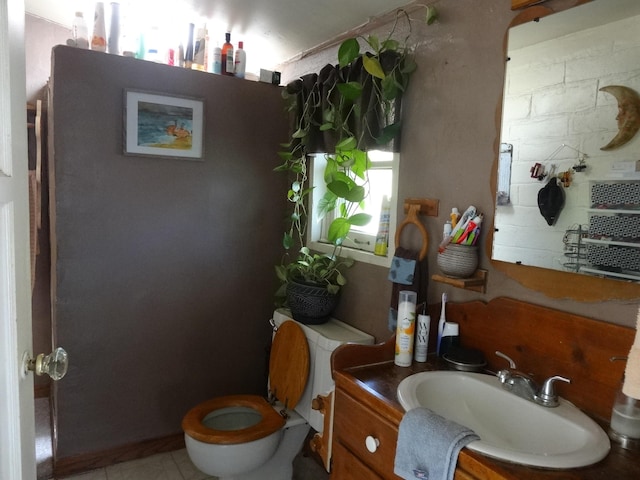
{"x": 373, "y": 42}
{"x": 356, "y": 194}
{"x": 326, "y": 204}
{"x": 432, "y": 15}
{"x": 360, "y": 219}
{"x": 348, "y": 143}
{"x": 388, "y": 133}
{"x": 348, "y": 51}
{"x": 300, "y": 133}
{"x": 350, "y": 90}
{"x": 373, "y": 67}
{"x": 338, "y": 230}
{"x": 287, "y": 241}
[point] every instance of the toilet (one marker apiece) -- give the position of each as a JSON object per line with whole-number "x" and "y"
{"x": 245, "y": 437}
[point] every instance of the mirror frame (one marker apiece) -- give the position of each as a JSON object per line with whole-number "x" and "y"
{"x": 553, "y": 283}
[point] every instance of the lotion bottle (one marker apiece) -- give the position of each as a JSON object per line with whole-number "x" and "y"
{"x": 99, "y": 38}
{"x": 240, "y": 61}
{"x": 216, "y": 60}
{"x": 406, "y": 327}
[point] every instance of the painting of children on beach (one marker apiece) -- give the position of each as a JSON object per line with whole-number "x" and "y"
{"x": 163, "y": 125}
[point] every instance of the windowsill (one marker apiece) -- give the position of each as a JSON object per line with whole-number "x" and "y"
{"x": 358, "y": 255}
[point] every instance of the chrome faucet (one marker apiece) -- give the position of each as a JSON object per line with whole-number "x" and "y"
{"x": 523, "y": 385}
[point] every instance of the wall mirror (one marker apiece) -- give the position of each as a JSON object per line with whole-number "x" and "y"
{"x": 555, "y": 122}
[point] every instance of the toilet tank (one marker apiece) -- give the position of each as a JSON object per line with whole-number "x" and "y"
{"x": 323, "y": 340}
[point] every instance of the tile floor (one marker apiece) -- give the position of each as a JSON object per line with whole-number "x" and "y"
{"x": 165, "y": 466}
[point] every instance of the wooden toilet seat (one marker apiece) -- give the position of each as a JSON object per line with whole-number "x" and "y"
{"x": 288, "y": 373}
{"x": 271, "y": 421}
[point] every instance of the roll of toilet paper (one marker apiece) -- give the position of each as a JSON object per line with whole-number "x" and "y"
{"x": 631, "y": 386}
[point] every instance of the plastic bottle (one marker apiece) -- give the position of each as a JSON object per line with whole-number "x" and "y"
{"x": 240, "y": 61}
{"x": 113, "y": 45}
{"x": 79, "y": 31}
{"x": 153, "y": 51}
{"x": 406, "y": 327}
{"x": 422, "y": 338}
{"x": 382, "y": 238}
{"x": 227, "y": 55}
{"x": 188, "y": 53}
{"x": 200, "y": 50}
{"x": 216, "y": 60}
{"x": 99, "y": 38}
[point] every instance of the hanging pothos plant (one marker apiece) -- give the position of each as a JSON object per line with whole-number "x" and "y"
{"x": 342, "y": 112}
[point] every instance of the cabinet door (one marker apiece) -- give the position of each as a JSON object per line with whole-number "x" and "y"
{"x": 345, "y": 466}
{"x": 354, "y": 424}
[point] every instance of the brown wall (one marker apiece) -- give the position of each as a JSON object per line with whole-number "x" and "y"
{"x": 163, "y": 268}
{"x": 448, "y": 150}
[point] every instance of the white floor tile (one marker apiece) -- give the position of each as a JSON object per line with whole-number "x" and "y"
{"x": 188, "y": 469}
{"x": 99, "y": 474}
{"x": 156, "y": 467}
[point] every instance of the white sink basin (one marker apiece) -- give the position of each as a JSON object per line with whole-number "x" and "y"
{"x": 510, "y": 428}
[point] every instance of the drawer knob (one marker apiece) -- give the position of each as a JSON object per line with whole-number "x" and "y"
{"x": 372, "y": 443}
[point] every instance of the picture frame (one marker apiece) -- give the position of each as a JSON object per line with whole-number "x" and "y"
{"x": 163, "y": 125}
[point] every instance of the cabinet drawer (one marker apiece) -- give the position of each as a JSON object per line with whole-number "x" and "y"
{"x": 353, "y": 423}
{"x": 345, "y": 466}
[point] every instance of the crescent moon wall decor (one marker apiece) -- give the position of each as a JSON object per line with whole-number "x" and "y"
{"x": 628, "y": 114}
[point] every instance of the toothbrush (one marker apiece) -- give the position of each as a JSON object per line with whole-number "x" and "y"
{"x": 442, "y": 321}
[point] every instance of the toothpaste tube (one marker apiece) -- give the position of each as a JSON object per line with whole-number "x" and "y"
{"x": 469, "y": 229}
{"x": 466, "y": 217}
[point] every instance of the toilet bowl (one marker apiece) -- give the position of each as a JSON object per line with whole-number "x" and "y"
{"x": 244, "y": 437}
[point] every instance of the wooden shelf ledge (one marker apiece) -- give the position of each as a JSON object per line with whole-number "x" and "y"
{"x": 477, "y": 283}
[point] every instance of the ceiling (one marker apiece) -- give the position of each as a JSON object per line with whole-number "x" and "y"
{"x": 273, "y": 31}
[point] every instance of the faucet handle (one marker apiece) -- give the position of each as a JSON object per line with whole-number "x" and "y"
{"x": 548, "y": 395}
{"x": 512, "y": 364}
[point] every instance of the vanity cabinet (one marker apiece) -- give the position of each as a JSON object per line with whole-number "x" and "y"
{"x": 366, "y": 381}
{"x": 357, "y": 431}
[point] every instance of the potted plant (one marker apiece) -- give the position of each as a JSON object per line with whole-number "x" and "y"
{"x": 344, "y": 111}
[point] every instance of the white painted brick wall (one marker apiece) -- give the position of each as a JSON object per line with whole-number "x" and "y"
{"x": 552, "y": 98}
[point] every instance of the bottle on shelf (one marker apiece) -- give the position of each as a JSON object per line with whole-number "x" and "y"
{"x": 113, "y": 45}
{"x": 216, "y": 60}
{"x": 99, "y": 38}
{"x": 153, "y": 50}
{"x": 188, "y": 53}
{"x": 200, "y": 50}
{"x": 79, "y": 31}
{"x": 240, "y": 62}
{"x": 227, "y": 55}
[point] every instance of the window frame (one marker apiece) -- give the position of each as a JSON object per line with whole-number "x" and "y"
{"x": 315, "y": 226}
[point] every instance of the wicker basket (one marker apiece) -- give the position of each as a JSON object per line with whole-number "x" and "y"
{"x": 458, "y": 261}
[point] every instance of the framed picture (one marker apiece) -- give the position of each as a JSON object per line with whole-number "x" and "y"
{"x": 163, "y": 125}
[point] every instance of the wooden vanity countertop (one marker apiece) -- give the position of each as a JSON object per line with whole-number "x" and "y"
{"x": 380, "y": 381}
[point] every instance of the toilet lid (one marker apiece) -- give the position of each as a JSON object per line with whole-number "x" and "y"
{"x": 289, "y": 364}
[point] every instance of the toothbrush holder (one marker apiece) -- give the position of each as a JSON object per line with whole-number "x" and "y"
{"x": 458, "y": 261}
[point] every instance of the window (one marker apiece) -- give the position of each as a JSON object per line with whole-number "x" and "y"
{"x": 383, "y": 181}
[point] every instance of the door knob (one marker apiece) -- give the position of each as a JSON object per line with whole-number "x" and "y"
{"x": 55, "y": 364}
